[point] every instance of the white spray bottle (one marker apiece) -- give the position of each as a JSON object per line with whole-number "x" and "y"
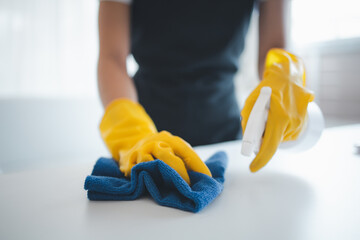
{"x": 255, "y": 127}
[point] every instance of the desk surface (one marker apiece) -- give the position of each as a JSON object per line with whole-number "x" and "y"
{"x": 311, "y": 195}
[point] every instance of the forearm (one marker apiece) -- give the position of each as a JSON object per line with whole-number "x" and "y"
{"x": 113, "y": 81}
{"x": 114, "y": 38}
{"x": 272, "y": 28}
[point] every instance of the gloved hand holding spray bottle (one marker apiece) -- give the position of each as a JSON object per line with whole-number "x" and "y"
{"x": 280, "y": 111}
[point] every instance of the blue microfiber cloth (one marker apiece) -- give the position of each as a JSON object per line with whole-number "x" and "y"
{"x": 163, "y": 183}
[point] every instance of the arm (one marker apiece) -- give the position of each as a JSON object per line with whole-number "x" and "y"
{"x": 272, "y": 17}
{"x": 114, "y": 37}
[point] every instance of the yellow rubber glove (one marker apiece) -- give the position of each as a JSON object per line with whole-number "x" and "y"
{"x": 285, "y": 74}
{"x": 132, "y": 138}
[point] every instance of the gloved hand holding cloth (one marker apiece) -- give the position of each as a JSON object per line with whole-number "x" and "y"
{"x": 284, "y": 73}
{"x": 132, "y": 138}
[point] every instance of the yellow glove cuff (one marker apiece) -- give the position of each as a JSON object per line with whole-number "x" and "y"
{"x": 124, "y": 123}
{"x": 290, "y": 65}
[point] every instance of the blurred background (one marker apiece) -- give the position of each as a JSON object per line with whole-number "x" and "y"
{"x": 49, "y": 106}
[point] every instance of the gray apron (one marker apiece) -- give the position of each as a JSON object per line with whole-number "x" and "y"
{"x": 188, "y": 52}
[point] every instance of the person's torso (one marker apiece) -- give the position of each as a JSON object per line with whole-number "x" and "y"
{"x": 188, "y": 54}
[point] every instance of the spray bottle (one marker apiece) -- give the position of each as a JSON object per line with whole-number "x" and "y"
{"x": 255, "y": 127}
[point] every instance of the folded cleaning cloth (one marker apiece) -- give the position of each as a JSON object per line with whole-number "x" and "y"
{"x": 163, "y": 183}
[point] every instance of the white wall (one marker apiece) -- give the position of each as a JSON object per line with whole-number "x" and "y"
{"x": 38, "y": 132}
{"x": 333, "y": 72}
{"x": 48, "y": 47}
{"x": 49, "y": 108}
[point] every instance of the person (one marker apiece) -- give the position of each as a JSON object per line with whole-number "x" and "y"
{"x": 187, "y": 52}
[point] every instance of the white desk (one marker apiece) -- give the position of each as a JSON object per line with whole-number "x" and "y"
{"x": 312, "y": 195}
